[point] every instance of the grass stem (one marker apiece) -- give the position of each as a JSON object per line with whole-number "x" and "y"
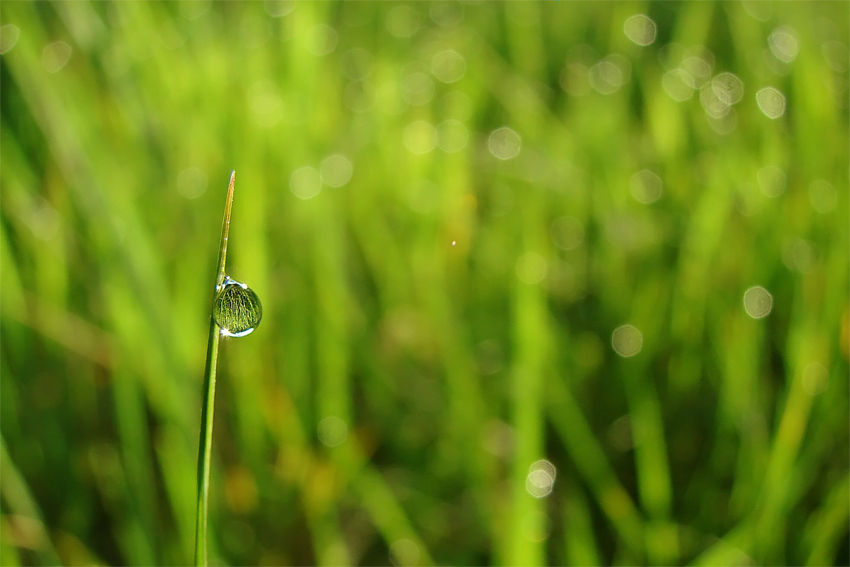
{"x": 207, "y": 410}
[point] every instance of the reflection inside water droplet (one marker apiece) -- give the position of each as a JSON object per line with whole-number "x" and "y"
{"x": 237, "y": 309}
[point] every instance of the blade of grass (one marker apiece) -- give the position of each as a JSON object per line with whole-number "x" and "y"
{"x": 205, "y": 443}
{"x": 20, "y": 501}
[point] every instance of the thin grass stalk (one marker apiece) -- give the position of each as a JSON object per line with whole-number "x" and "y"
{"x": 207, "y": 410}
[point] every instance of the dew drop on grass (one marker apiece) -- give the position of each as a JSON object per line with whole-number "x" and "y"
{"x": 237, "y": 309}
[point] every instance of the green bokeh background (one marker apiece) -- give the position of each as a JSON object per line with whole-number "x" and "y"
{"x": 443, "y": 318}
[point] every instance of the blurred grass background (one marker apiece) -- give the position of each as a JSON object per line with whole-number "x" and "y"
{"x": 445, "y": 210}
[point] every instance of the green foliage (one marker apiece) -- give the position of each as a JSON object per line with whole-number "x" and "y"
{"x": 436, "y": 318}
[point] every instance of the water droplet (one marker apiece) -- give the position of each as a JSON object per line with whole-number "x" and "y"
{"x": 454, "y": 242}
{"x": 236, "y": 309}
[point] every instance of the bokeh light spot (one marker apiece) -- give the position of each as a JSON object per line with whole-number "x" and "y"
{"x": 452, "y": 136}
{"x": 357, "y": 63}
{"x": 448, "y": 66}
{"x": 646, "y": 187}
{"x": 55, "y": 56}
{"x": 504, "y": 143}
{"x": 799, "y": 255}
{"x": 305, "y": 183}
{"x": 446, "y": 14}
{"x": 420, "y": 137}
{"x": 192, "y": 182}
{"x": 322, "y": 39}
{"x": 359, "y": 96}
{"x": 531, "y": 268}
{"x": 537, "y": 526}
{"x": 279, "y": 8}
{"x": 627, "y": 340}
{"x": 332, "y": 431}
{"x": 641, "y": 29}
{"x": 699, "y": 66}
{"x": 758, "y": 302}
{"x": 784, "y": 44}
{"x": 771, "y": 102}
{"x": 823, "y": 196}
{"x": 771, "y": 181}
{"x": 336, "y": 170}
{"x": 417, "y": 88}
{"x": 9, "y": 35}
{"x": 541, "y": 478}
{"x": 567, "y": 233}
{"x": 728, "y": 87}
{"x": 725, "y": 124}
{"x": 678, "y": 84}
{"x": 610, "y": 74}
{"x": 712, "y": 104}
{"x": 837, "y": 56}
{"x": 402, "y": 21}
